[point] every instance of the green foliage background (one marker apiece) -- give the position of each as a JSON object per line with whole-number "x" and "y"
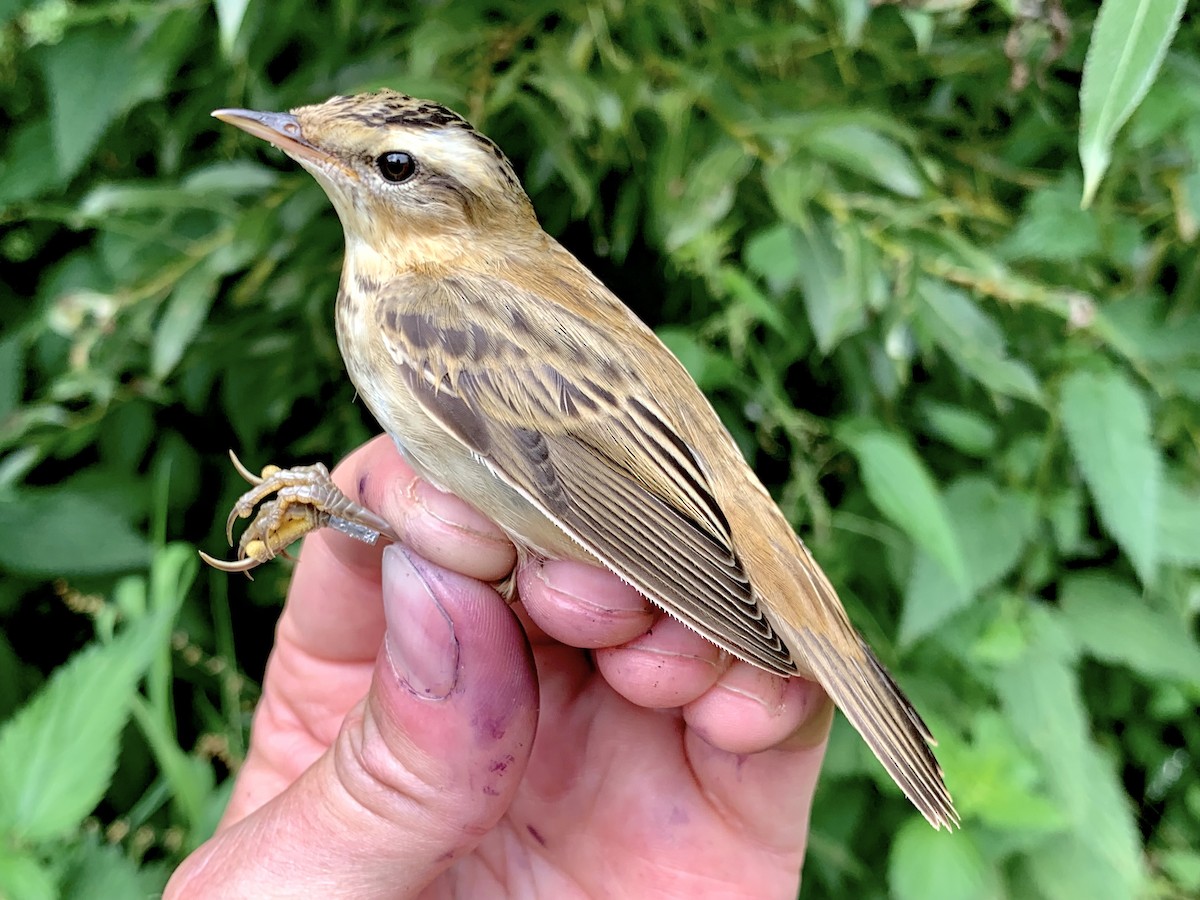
{"x": 860, "y": 227}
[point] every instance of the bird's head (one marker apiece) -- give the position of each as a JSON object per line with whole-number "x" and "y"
{"x": 410, "y": 179}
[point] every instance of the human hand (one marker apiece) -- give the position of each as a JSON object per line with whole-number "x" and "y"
{"x": 398, "y": 750}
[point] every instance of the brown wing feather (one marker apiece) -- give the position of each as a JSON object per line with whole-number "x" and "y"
{"x": 599, "y": 456}
{"x": 582, "y": 481}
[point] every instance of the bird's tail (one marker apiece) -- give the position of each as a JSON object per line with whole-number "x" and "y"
{"x": 868, "y": 696}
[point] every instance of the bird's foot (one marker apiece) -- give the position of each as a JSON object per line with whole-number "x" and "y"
{"x": 293, "y": 502}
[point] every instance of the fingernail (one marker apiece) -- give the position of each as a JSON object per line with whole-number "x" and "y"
{"x": 420, "y": 641}
{"x": 453, "y": 513}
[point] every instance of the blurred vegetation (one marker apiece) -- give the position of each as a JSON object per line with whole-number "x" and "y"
{"x": 861, "y": 228}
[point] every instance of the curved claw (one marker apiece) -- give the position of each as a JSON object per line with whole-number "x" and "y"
{"x": 291, "y": 503}
{"x": 234, "y": 515}
{"x": 243, "y": 565}
{"x": 245, "y": 473}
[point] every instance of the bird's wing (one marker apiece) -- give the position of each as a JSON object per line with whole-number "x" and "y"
{"x": 548, "y": 407}
{"x": 539, "y": 393}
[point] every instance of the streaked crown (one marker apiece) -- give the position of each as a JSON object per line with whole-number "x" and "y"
{"x": 374, "y": 122}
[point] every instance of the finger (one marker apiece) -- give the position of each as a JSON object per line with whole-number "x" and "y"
{"x": 670, "y": 665}
{"x": 749, "y": 710}
{"x": 768, "y": 791}
{"x": 424, "y": 767}
{"x": 647, "y": 658}
{"x": 440, "y": 527}
{"x": 582, "y": 605}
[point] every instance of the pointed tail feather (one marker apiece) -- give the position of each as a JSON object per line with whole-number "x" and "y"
{"x": 879, "y": 711}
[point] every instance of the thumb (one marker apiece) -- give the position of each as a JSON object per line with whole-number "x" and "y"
{"x": 421, "y": 770}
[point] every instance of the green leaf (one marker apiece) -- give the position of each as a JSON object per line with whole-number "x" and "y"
{"x": 838, "y": 277}
{"x": 116, "y": 199}
{"x": 861, "y": 149}
{"x": 993, "y": 526}
{"x": 973, "y": 340}
{"x": 1067, "y": 868}
{"x": 1064, "y": 509}
{"x": 24, "y": 877}
{"x": 853, "y": 17}
{"x": 833, "y": 296}
{"x": 937, "y": 865}
{"x": 12, "y": 373}
{"x": 1113, "y": 623}
{"x": 82, "y": 106}
{"x": 23, "y": 170}
{"x": 902, "y": 488}
{"x": 103, "y": 871}
{"x": 185, "y": 312}
{"x": 708, "y": 194}
{"x": 966, "y": 431}
{"x": 1127, "y": 48}
{"x": 771, "y": 254}
{"x": 1001, "y": 640}
{"x": 1183, "y": 866}
{"x": 1179, "y": 524}
{"x": 1052, "y": 227}
{"x": 1143, "y": 327}
{"x": 1108, "y": 429}
{"x": 59, "y": 751}
{"x": 997, "y": 781}
{"x": 50, "y": 532}
{"x": 791, "y": 187}
{"x": 923, "y": 26}
{"x": 236, "y": 178}
{"x": 745, "y": 292}
{"x": 10, "y": 9}
{"x": 230, "y": 14}
{"x": 1039, "y": 693}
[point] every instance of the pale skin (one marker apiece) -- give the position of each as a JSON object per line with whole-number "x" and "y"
{"x": 420, "y": 765}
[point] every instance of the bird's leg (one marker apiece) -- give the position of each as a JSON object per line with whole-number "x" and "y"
{"x": 293, "y": 502}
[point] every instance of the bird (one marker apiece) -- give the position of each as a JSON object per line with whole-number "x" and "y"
{"x": 507, "y": 374}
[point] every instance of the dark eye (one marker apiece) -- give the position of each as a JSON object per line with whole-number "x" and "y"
{"x": 396, "y": 166}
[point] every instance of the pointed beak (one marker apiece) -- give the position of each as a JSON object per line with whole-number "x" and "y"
{"x": 283, "y": 130}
